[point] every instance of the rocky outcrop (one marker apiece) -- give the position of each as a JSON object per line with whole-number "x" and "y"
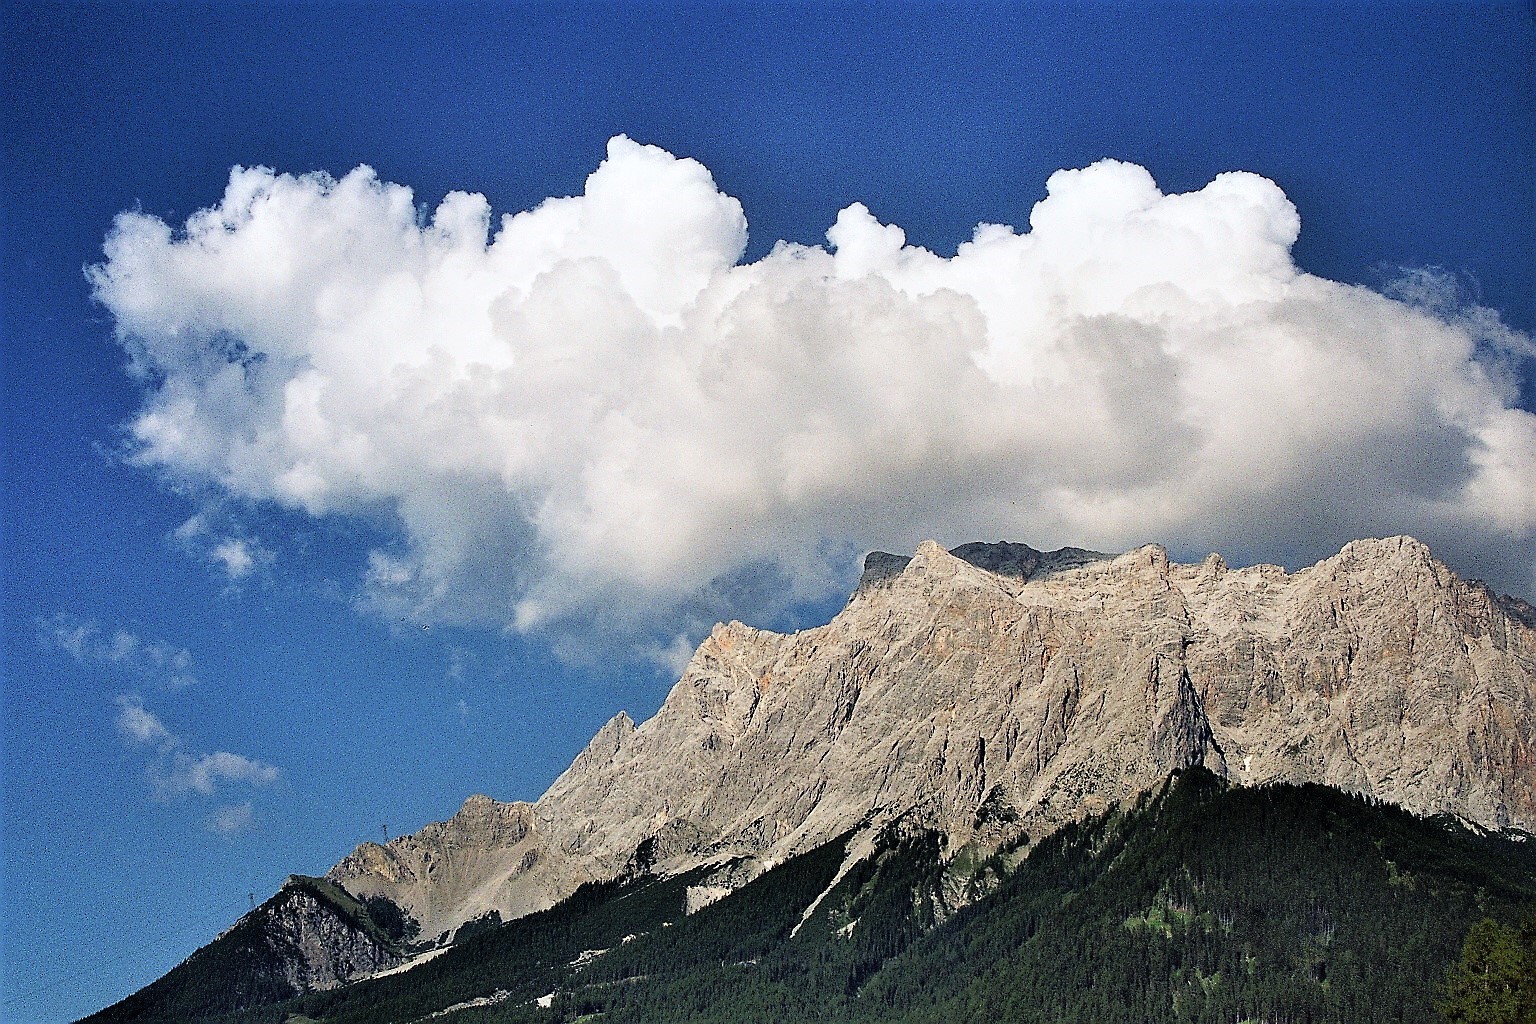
{"x": 489, "y": 856}
{"x": 317, "y": 944}
{"x": 312, "y": 935}
{"x": 995, "y": 690}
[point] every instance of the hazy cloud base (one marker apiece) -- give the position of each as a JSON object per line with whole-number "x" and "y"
{"x": 596, "y": 415}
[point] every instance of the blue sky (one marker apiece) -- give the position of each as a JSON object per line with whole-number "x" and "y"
{"x": 213, "y": 678}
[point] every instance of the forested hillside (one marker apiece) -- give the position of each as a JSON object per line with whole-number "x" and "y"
{"x": 1205, "y": 904}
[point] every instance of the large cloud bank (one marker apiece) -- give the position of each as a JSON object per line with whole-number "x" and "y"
{"x": 598, "y": 413}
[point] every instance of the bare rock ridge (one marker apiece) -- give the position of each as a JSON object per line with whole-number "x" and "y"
{"x": 996, "y": 690}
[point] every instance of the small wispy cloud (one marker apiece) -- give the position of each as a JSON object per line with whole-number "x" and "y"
{"x": 139, "y": 726}
{"x": 184, "y": 774}
{"x": 176, "y": 773}
{"x": 235, "y": 556}
{"x": 222, "y": 544}
{"x": 88, "y": 642}
{"x": 460, "y": 660}
{"x": 231, "y": 819}
{"x": 672, "y": 657}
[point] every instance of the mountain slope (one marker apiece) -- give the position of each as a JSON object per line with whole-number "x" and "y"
{"x": 1201, "y": 902}
{"x": 310, "y": 936}
{"x": 996, "y": 691}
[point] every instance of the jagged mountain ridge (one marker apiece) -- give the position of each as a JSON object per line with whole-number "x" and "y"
{"x": 996, "y": 690}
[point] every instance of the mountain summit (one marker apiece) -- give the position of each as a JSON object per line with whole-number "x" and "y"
{"x": 993, "y": 693}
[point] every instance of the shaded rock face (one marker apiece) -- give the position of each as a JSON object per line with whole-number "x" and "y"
{"x": 317, "y": 948}
{"x": 995, "y": 690}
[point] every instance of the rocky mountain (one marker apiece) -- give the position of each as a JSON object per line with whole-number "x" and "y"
{"x": 968, "y": 750}
{"x": 995, "y": 693}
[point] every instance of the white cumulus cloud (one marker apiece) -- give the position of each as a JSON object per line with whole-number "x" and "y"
{"x": 594, "y": 412}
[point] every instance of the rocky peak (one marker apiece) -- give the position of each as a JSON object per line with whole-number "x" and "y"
{"x": 1155, "y": 556}
{"x": 450, "y": 872}
{"x": 604, "y": 746}
{"x": 932, "y": 566}
{"x": 880, "y": 567}
{"x": 1022, "y": 562}
{"x": 1017, "y": 562}
{"x": 1515, "y": 608}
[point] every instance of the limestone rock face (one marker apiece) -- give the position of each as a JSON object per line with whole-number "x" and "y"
{"x": 995, "y": 690}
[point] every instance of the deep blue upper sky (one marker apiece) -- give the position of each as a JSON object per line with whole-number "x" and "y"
{"x": 1404, "y": 135}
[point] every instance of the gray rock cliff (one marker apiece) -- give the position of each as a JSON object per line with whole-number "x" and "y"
{"x": 997, "y": 690}
{"x": 314, "y": 937}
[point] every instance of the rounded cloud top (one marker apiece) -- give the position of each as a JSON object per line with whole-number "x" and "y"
{"x": 598, "y": 411}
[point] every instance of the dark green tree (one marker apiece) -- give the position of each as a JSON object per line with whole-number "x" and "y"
{"x": 1494, "y": 981}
